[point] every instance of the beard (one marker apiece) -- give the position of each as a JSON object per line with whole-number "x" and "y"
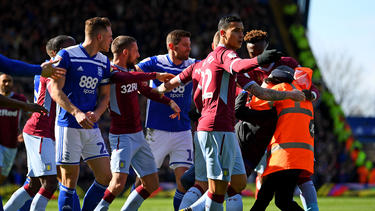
{"x": 131, "y": 64}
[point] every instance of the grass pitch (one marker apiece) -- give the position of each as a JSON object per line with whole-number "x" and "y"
{"x": 325, "y": 204}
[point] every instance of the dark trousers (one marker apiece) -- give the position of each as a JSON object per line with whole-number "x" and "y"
{"x": 282, "y": 185}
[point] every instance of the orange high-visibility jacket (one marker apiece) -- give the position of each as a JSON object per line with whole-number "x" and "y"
{"x": 292, "y": 145}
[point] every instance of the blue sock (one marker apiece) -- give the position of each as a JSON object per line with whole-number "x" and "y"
{"x": 93, "y": 196}
{"x": 76, "y": 204}
{"x": 177, "y": 199}
{"x": 26, "y": 206}
{"x": 214, "y": 202}
{"x": 65, "y": 200}
{"x": 1, "y": 204}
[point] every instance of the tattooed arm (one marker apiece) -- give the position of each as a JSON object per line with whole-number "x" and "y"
{"x": 273, "y": 95}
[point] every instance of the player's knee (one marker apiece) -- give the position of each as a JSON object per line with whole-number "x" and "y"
{"x": 238, "y": 183}
{"x": 152, "y": 184}
{"x": 104, "y": 178}
{"x": 34, "y": 185}
{"x": 50, "y": 183}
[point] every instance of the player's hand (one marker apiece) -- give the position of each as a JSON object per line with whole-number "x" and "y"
{"x": 296, "y": 95}
{"x": 48, "y": 70}
{"x": 308, "y": 94}
{"x": 164, "y": 77}
{"x": 176, "y": 110}
{"x": 83, "y": 120}
{"x": 93, "y": 117}
{"x": 33, "y": 107}
{"x": 20, "y": 138}
{"x": 269, "y": 56}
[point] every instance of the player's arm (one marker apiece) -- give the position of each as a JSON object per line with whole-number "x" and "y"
{"x": 20, "y": 68}
{"x": 149, "y": 93}
{"x": 232, "y": 63}
{"x": 60, "y": 98}
{"x": 274, "y": 95}
{"x": 103, "y": 100}
{"x": 167, "y": 86}
{"x": 244, "y": 113}
{"x": 133, "y": 77}
{"x": 184, "y": 77}
{"x": 31, "y": 107}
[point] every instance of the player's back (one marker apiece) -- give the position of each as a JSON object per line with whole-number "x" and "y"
{"x": 218, "y": 91}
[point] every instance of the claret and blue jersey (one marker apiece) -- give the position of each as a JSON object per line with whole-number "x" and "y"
{"x": 84, "y": 75}
{"x": 157, "y": 113}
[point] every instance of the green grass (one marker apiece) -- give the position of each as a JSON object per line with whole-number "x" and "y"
{"x": 325, "y": 204}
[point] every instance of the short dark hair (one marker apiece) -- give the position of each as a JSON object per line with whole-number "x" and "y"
{"x": 94, "y": 25}
{"x": 122, "y": 42}
{"x": 49, "y": 44}
{"x": 226, "y": 20}
{"x": 175, "y": 36}
{"x": 61, "y": 40}
{"x": 255, "y": 36}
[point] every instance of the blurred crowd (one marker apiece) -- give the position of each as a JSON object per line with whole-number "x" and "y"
{"x": 27, "y": 25}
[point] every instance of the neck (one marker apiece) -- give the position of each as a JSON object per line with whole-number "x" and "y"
{"x": 119, "y": 62}
{"x": 91, "y": 47}
{"x": 174, "y": 59}
{"x": 222, "y": 42}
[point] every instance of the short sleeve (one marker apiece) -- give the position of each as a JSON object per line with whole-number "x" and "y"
{"x": 147, "y": 64}
{"x": 106, "y": 74}
{"x": 63, "y": 57}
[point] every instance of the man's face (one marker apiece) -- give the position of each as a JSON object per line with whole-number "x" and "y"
{"x": 133, "y": 54}
{"x": 233, "y": 36}
{"x": 6, "y": 83}
{"x": 183, "y": 48}
{"x": 255, "y": 49}
{"x": 105, "y": 39}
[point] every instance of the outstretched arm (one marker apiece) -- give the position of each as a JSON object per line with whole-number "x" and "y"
{"x": 31, "y": 107}
{"x": 149, "y": 93}
{"x": 273, "y": 95}
{"x": 168, "y": 86}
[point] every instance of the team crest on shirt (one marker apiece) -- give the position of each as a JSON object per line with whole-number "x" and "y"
{"x": 100, "y": 72}
{"x": 232, "y": 55}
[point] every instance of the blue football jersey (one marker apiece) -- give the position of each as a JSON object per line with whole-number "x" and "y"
{"x": 84, "y": 75}
{"x": 36, "y": 87}
{"x": 157, "y": 113}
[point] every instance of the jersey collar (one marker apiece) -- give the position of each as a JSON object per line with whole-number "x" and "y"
{"x": 119, "y": 67}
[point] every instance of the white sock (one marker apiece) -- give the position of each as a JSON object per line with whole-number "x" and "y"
{"x": 191, "y": 196}
{"x": 102, "y": 206}
{"x": 234, "y": 203}
{"x": 39, "y": 203}
{"x": 200, "y": 204}
{"x": 17, "y": 200}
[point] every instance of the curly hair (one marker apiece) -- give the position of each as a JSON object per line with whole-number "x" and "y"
{"x": 254, "y": 36}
